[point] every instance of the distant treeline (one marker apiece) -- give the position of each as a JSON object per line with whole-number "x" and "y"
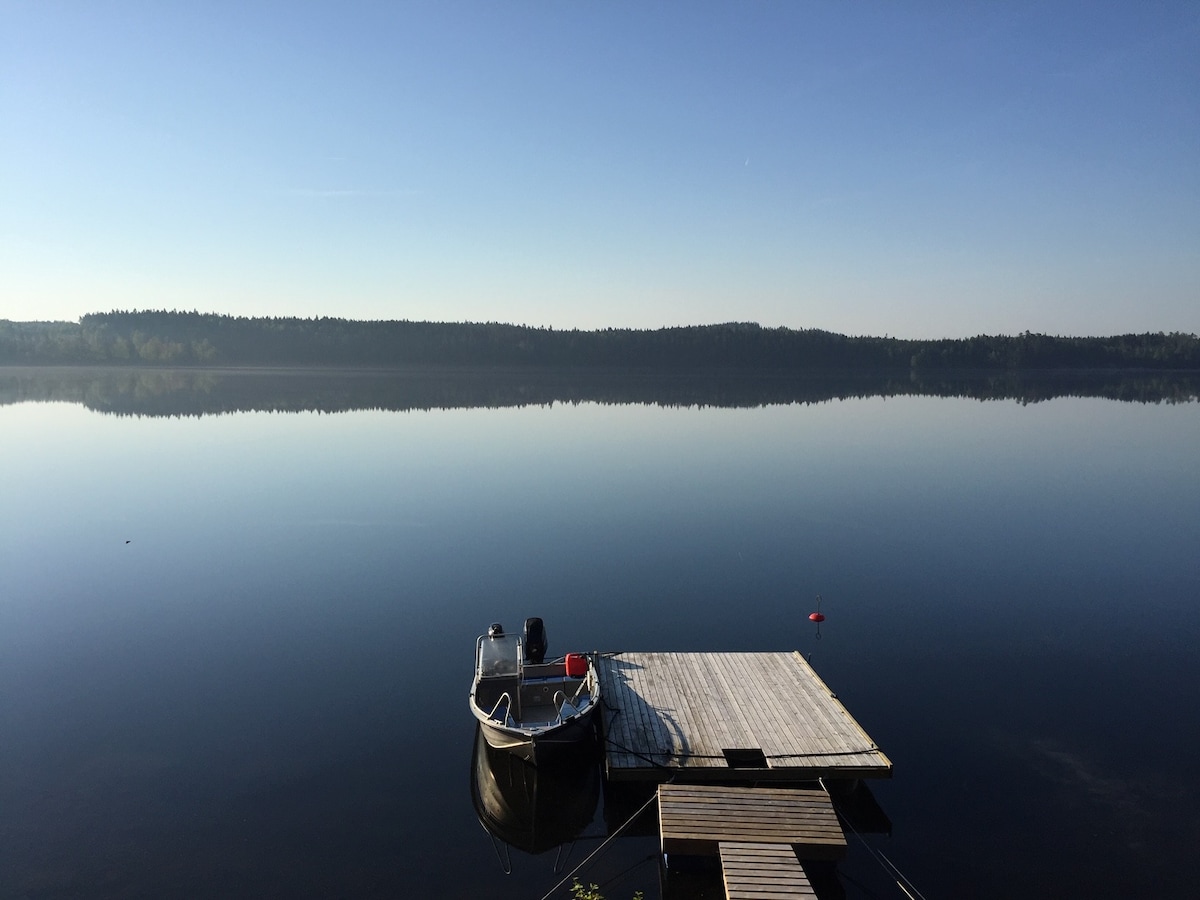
{"x": 203, "y": 339}
{"x": 160, "y": 391}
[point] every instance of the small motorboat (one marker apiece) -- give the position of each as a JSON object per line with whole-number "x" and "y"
{"x": 524, "y": 704}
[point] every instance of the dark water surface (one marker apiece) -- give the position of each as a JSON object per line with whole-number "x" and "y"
{"x": 235, "y": 649}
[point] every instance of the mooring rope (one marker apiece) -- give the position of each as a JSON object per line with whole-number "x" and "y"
{"x": 607, "y": 841}
{"x": 641, "y": 862}
{"x": 671, "y": 754}
{"x": 902, "y": 881}
{"x": 640, "y": 756}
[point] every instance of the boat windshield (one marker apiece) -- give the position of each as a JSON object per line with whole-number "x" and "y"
{"x": 499, "y": 655}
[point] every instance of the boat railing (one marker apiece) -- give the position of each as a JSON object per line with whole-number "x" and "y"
{"x": 506, "y": 699}
{"x": 561, "y": 701}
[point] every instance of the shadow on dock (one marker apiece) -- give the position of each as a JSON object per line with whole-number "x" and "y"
{"x": 662, "y": 739}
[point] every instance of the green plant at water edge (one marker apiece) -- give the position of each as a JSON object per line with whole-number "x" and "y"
{"x": 592, "y": 892}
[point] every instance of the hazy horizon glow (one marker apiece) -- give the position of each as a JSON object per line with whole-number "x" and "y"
{"x": 918, "y": 172}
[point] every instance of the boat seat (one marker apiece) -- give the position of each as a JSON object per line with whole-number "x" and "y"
{"x": 545, "y": 670}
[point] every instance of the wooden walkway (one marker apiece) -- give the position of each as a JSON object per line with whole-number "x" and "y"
{"x": 728, "y": 717}
{"x": 694, "y": 820}
{"x": 763, "y": 872}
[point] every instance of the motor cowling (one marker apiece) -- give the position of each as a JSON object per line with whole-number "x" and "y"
{"x": 535, "y": 640}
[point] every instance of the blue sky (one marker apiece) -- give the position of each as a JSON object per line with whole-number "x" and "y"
{"x": 920, "y": 170}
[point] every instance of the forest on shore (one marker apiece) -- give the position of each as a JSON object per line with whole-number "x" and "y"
{"x": 162, "y": 338}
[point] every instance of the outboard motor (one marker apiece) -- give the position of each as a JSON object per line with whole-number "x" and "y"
{"x": 495, "y": 630}
{"x": 535, "y": 640}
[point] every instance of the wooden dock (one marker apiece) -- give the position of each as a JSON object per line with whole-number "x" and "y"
{"x": 695, "y": 820}
{"x": 763, "y": 872}
{"x": 728, "y": 717}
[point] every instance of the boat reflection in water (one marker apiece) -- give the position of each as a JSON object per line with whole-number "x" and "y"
{"x": 534, "y": 808}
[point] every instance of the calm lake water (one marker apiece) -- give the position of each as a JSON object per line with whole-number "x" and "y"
{"x": 235, "y": 649}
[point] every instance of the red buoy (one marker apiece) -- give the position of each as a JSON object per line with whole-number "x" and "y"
{"x": 817, "y": 616}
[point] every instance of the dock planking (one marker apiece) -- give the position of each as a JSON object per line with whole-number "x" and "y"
{"x": 673, "y": 715}
{"x": 696, "y": 819}
{"x": 757, "y": 871}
